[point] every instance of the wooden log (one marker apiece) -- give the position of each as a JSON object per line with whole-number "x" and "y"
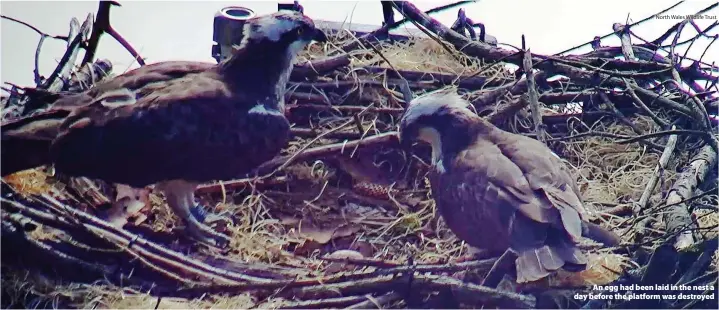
{"x": 677, "y": 216}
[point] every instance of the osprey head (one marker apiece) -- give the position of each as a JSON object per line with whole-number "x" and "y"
{"x": 428, "y": 115}
{"x": 288, "y": 29}
{"x": 440, "y": 119}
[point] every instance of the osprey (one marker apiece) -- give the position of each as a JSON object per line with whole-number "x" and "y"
{"x": 498, "y": 190}
{"x": 173, "y": 124}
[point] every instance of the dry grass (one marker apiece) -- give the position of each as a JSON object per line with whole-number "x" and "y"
{"x": 269, "y": 225}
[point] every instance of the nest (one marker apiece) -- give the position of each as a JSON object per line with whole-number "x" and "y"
{"x": 343, "y": 217}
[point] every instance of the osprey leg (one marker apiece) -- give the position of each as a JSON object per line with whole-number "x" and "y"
{"x": 180, "y": 198}
{"x": 214, "y": 220}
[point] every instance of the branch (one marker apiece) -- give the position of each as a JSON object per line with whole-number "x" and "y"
{"x": 658, "y": 171}
{"x": 319, "y": 67}
{"x": 384, "y": 30}
{"x": 623, "y": 33}
{"x": 56, "y": 81}
{"x": 677, "y": 217}
{"x": 101, "y": 26}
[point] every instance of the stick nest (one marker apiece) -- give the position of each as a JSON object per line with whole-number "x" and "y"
{"x": 341, "y": 216}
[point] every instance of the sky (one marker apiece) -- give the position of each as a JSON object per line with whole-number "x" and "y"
{"x": 182, "y": 30}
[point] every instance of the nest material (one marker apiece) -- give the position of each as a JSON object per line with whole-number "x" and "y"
{"x": 367, "y": 204}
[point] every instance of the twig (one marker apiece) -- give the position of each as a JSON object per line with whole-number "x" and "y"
{"x": 326, "y": 303}
{"x": 474, "y": 294}
{"x": 619, "y": 114}
{"x": 658, "y": 171}
{"x": 375, "y": 280}
{"x": 379, "y": 302}
{"x": 297, "y": 155}
{"x": 36, "y": 71}
{"x": 699, "y": 266}
{"x": 533, "y": 98}
{"x": 34, "y": 28}
{"x": 638, "y": 101}
{"x": 363, "y": 262}
{"x": 655, "y": 44}
{"x": 344, "y": 108}
{"x": 451, "y": 267}
{"x": 509, "y": 110}
{"x": 379, "y": 284}
{"x": 608, "y": 52}
{"x": 312, "y": 133}
{"x": 437, "y": 78}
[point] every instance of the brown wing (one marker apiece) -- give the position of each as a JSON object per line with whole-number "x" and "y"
{"x": 192, "y": 128}
{"x": 140, "y": 80}
{"x": 483, "y": 190}
{"x": 505, "y": 180}
{"x": 546, "y": 173}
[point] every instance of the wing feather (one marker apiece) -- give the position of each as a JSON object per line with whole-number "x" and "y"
{"x": 195, "y": 119}
{"x": 504, "y": 182}
{"x": 140, "y": 80}
{"x": 547, "y": 175}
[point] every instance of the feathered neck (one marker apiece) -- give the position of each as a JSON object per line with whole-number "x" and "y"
{"x": 260, "y": 68}
{"x": 458, "y": 130}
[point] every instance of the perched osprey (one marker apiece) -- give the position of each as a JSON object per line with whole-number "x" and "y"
{"x": 174, "y": 124}
{"x": 498, "y": 190}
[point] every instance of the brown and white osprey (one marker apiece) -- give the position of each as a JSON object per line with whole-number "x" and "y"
{"x": 498, "y": 190}
{"x": 174, "y": 124}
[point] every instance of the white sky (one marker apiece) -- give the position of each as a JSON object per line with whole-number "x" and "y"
{"x": 182, "y": 30}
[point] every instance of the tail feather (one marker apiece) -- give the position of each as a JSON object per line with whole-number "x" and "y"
{"x": 535, "y": 264}
{"x": 570, "y": 253}
{"x": 529, "y": 267}
{"x": 549, "y": 258}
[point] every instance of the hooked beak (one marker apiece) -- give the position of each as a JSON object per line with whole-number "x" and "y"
{"x": 319, "y": 36}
